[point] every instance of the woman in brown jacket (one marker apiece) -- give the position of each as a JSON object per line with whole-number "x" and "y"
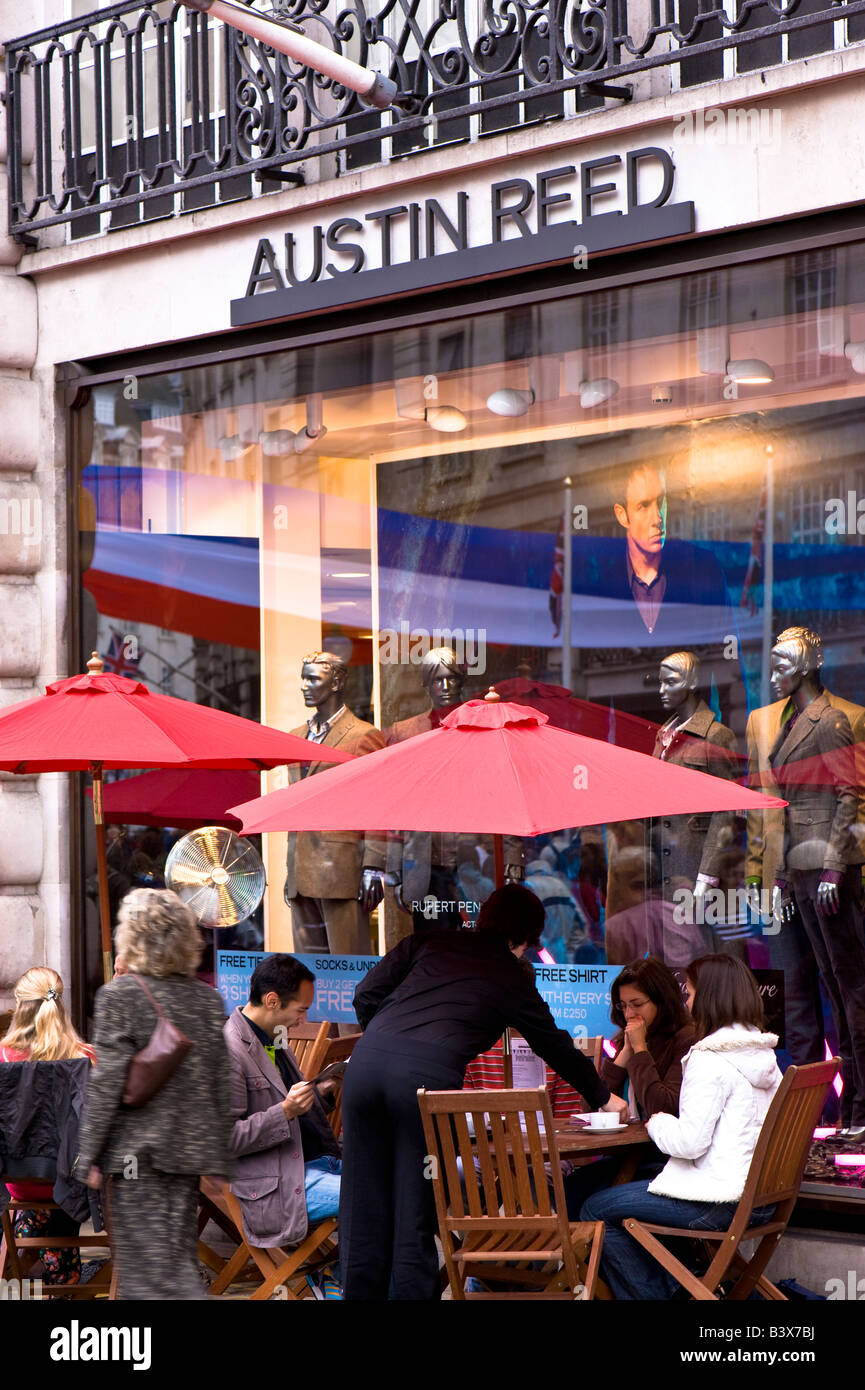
{"x": 656, "y": 1031}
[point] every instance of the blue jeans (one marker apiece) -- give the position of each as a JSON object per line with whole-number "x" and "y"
{"x": 322, "y": 1188}
{"x": 631, "y": 1272}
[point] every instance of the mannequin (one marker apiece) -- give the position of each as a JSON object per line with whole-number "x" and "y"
{"x": 422, "y": 866}
{"x": 323, "y": 885}
{"x": 820, "y": 857}
{"x": 789, "y": 949}
{"x": 689, "y": 849}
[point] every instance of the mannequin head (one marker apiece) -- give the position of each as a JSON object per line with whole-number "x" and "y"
{"x": 678, "y": 677}
{"x": 443, "y": 676}
{"x": 796, "y": 659}
{"x": 322, "y": 681}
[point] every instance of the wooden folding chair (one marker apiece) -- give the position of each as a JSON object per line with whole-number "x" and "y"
{"x": 495, "y": 1217}
{"x": 338, "y": 1050}
{"x": 277, "y": 1268}
{"x": 309, "y": 1043}
{"x": 593, "y": 1048}
{"x": 774, "y": 1178}
{"x": 14, "y": 1267}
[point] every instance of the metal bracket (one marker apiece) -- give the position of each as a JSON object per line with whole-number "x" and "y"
{"x": 280, "y": 176}
{"x": 604, "y": 89}
{"x": 25, "y": 239}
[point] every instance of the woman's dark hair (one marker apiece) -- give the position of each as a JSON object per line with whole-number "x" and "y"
{"x": 659, "y": 984}
{"x": 725, "y": 992}
{"x": 515, "y": 914}
{"x": 280, "y": 973}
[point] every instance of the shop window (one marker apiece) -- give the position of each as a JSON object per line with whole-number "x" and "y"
{"x": 370, "y": 496}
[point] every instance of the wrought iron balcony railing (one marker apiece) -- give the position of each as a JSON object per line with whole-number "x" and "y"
{"x": 144, "y": 110}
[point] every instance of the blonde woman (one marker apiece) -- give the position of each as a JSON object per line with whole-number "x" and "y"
{"x": 40, "y": 1031}
{"x": 156, "y": 1154}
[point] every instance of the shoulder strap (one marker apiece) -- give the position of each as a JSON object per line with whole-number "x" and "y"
{"x": 148, "y": 992}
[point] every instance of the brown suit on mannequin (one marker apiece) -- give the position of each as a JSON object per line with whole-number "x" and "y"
{"x": 766, "y": 828}
{"x": 789, "y": 948}
{"x": 323, "y": 869}
{"x": 692, "y": 845}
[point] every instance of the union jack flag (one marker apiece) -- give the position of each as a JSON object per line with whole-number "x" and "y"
{"x": 754, "y": 573}
{"x": 121, "y": 659}
{"x": 557, "y": 580}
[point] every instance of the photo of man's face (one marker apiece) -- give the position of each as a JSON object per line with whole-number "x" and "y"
{"x": 644, "y": 514}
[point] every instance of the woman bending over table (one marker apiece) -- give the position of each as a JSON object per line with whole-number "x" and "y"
{"x": 656, "y": 1031}
{"x": 729, "y": 1078}
{"x": 434, "y": 1002}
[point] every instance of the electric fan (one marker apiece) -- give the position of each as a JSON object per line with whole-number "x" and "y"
{"x": 218, "y": 874}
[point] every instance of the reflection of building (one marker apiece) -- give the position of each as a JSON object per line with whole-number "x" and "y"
{"x": 380, "y": 432}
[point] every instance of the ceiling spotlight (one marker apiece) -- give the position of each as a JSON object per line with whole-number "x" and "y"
{"x": 750, "y": 371}
{"x": 445, "y": 418}
{"x": 591, "y": 392}
{"x": 713, "y": 358}
{"x": 596, "y": 392}
{"x": 275, "y": 443}
{"x": 855, "y": 354}
{"x": 231, "y": 447}
{"x": 509, "y": 401}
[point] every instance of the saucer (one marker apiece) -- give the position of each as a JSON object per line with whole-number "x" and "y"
{"x": 599, "y": 1129}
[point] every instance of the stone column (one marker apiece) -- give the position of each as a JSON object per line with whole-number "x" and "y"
{"x": 24, "y": 540}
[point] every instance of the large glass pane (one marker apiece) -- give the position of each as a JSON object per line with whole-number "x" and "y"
{"x": 694, "y": 443}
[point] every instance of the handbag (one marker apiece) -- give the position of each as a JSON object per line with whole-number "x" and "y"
{"x": 154, "y": 1064}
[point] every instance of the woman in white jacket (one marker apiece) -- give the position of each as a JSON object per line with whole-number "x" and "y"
{"x": 730, "y": 1077}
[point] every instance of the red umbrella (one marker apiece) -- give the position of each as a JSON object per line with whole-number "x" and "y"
{"x": 90, "y": 722}
{"x": 840, "y": 767}
{"x": 500, "y": 769}
{"x": 567, "y": 711}
{"x": 177, "y": 798}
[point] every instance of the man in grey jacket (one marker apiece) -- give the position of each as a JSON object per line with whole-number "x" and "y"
{"x": 287, "y": 1160}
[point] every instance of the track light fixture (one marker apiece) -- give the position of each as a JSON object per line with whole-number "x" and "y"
{"x": 278, "y": 443}
{"x": 232, "y": 447}
{"x": 445, "y": 418}
{"x": 590, "y": 391}
{"x": 509, "y": 401}
{"x": 855, "y": 354}
{"x": 275, "y": 443}
{"x": 713, "y": 359}
{"x": 412, "y": 404}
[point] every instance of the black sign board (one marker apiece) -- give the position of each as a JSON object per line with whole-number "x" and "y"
{"x": 328, "y": 270}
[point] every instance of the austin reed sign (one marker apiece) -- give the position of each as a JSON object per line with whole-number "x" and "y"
{"x": 559, "y": 215}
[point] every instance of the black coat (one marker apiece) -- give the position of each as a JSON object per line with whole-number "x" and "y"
{"x": 40, "y": 1114}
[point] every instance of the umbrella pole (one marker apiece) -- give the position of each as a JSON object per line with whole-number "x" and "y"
{"x": 499, "y": 859}
{"x": 102, "y": 874}
{"x": 507, "y": 1059}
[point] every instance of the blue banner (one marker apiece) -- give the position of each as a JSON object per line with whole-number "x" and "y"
{"x": 336, "y": 979}
{"x": 578, "y": 995}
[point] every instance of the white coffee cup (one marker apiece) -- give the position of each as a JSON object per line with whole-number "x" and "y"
{"x": 603, "y": 1119}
